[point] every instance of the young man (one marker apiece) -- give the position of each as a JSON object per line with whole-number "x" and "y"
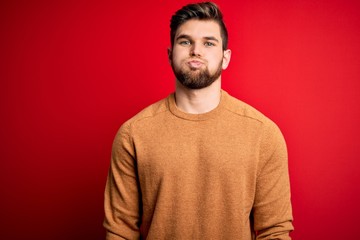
{"x": 199, "y": 164}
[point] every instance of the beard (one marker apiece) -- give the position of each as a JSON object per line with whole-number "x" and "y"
{"x": 195, "y": 78}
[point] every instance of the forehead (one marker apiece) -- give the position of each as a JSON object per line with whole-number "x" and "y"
{"x": 199, "y": 29}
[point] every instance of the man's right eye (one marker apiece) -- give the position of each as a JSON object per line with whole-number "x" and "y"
{"x": 184, "y": 43}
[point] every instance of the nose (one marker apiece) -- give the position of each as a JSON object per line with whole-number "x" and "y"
{"x": 196, "y": 50}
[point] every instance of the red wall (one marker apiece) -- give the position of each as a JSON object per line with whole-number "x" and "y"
{"x": 72, "y": 72}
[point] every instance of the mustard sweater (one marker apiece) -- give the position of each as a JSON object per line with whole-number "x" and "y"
{"x": 217, "y": 175}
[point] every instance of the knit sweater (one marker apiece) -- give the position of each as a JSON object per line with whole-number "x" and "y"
{"x": 218, "y": 175}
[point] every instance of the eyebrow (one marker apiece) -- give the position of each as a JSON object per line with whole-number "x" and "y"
{"x": 188, "y": 37}
{"x": 212, "y": 38}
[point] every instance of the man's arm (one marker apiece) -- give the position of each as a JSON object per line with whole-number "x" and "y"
{"x": 122, "y": 194}
{"x": 272, "y": 210}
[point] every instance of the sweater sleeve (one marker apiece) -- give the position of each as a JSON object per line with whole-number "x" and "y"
{"x": 272, "y": 212}
{"x": 122, "y": 194}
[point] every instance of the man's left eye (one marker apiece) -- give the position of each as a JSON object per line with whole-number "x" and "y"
{"x": 209, "y": 44}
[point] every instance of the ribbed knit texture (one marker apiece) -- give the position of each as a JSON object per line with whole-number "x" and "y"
{"x": 218, "y": 175}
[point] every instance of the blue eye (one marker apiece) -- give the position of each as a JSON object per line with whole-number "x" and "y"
{"x": 184, "y": 43}
{"x": 209, "y": 44}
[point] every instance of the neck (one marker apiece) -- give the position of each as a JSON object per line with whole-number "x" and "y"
{"x": 197, "y": 101}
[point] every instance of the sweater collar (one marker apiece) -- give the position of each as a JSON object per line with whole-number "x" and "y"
{"x": 196, "y": 117}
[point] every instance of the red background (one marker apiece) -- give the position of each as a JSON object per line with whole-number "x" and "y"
{"x": 72, "y": 72}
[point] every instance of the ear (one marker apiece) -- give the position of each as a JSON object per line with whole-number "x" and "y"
{"x": 226, "y": 59}
{"x": 169, "y": 52}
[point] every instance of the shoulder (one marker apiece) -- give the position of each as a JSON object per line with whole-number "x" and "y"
{"x": 272, "y": 143}
{"x": 244, "y": 110}
{"x": 148, "y": 113}
{"x": 151, "y": 111}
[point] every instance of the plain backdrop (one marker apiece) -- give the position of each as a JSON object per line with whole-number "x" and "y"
{"x": 71, "y": 72}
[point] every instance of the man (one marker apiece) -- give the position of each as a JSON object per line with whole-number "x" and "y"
{"x": 199, "y": 164}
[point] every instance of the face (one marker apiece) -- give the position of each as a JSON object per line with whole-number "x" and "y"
{"x": 197, "y": 57}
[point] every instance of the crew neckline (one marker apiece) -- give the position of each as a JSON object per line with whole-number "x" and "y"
{"x": 196, "y": 116}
